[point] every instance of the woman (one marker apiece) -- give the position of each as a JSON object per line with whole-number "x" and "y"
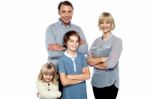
{"x": 104, "y": 57}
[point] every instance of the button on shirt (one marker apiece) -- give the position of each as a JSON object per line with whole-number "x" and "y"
{"x": 47, "y": 90}
{"x": 68, "y": 66}
{"x": 73, "y": 60}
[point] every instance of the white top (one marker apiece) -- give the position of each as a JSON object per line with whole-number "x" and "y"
{"x": 48, "y": 90}
{"x": 73, "y": 60}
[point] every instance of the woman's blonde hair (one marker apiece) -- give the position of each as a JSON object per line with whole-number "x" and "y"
{"x": 48, "y": 68}
{"x": 106, "y": 16}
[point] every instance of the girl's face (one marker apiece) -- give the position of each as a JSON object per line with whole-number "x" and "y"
{"x": 106, "y": 26}
{"x": 47, "y": 77}
{"x": 73, "y": 43}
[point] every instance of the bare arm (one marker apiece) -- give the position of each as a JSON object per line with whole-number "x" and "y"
{"x": 65, "y": 81}
{"x": 52, "y": 47}
{"x": 101, "y": 66}
{"x": 84, "y": 76}
{"x": 96, "y": 60}
{"x": 56, "y": 47}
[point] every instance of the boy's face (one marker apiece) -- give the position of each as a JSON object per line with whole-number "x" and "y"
{"x": 72, "y": 43}
{"x": 66, "y": 13}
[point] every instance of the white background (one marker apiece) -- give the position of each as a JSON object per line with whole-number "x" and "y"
{"x": 22, "y": 42}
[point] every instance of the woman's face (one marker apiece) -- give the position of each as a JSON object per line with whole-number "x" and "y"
{"x": 106, "y": 26}
{"x": 47, "y": 77}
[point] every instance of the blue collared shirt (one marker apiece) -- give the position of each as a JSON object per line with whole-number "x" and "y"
{"x": 54, "y": 35}
{"x": 66, "y": 65}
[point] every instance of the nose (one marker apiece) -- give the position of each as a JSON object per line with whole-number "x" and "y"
{"x": 66, "y": 14}
{"x": 75, "y": 43}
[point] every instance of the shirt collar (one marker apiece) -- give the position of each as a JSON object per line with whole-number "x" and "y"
{"x": 108, "y": 37}
{"x": 61, "y": 23}
{"x": 68, "y": 55}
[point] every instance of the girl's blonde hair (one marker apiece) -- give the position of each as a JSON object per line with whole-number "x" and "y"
{"x": 48, "y": 68}
{"x": 106, "y": 16}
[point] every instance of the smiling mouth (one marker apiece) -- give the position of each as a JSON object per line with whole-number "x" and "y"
{"x": 67, "y": 18}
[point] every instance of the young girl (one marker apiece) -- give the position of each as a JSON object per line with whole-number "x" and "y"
{"x": 47, "y": 84}
{"x": 73, "y": 68}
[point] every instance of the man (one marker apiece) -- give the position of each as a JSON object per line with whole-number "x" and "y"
{"x": 56, "y": 31}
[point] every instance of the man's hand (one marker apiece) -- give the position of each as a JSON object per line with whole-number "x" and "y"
{"x": 55, "y": 47}
{"x": 82, "y": 42}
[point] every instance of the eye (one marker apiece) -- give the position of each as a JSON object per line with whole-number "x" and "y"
{"x": 63, "y": 11}
{"x": 108, "y": 22}
{"x": 71, "y": 40}
{"x": 69, "y": 11}
{"x": 102, "y": 22}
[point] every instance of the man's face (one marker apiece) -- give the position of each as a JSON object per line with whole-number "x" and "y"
{"x": 66, "y": 13}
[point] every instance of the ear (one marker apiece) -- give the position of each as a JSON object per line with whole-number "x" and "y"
{"x": 65, "y": 44}
{"x": 59, "y": 12}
